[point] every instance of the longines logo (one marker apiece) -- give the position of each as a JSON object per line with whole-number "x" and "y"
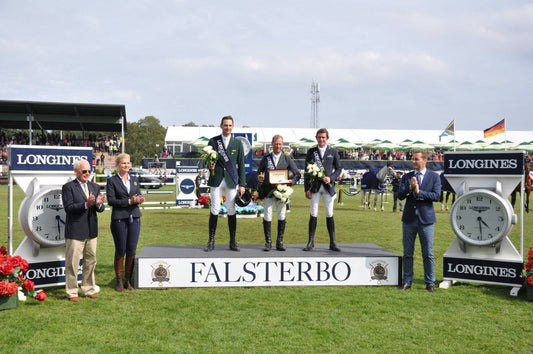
{"x": 160, "y": 273}
{"x": 483, "y": 163}
{"x": 504, "y": 163}
{"x": 482, "y": 270}
{"x": 53, "y": 158}
{"x": 32, "y": 159}
{"x": 187, "y": 186}
{"x": 379, "y": 271}
{"x": 507, "y": 272}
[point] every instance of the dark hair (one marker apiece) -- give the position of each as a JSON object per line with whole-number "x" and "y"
{"x": 322, "y": 130}
{"x": 226, "y": 117}
{"x": 421, "y": 152}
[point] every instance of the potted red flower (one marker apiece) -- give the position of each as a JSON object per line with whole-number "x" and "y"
{"x": 527, "y": 274}
{"x": 12, "y": 270}
{"x": 204, "y": 201}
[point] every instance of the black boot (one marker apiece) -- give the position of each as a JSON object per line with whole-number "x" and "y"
{"x": 312, "y": 229}
{"x": 331, "y": 230}
{"x": 232, "y": 224}
{"x": 281, "y": 232}
{"x": 213, "y": 219}
{"x": 267, "y": 226}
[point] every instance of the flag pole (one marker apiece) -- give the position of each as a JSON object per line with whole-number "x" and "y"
{"x": 505, "y": 134}
{"x": 454, "y": 139}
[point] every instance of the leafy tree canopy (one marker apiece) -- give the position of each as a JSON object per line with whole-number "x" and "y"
{"x": 145, "y": 138}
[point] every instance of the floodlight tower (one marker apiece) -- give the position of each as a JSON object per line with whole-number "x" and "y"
{"x": 315, "y": 100}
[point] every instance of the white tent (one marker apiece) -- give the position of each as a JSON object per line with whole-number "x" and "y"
{"x": 178, "y": 139}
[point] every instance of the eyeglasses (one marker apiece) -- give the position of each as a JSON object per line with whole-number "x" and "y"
{"x": 85, "y": 171}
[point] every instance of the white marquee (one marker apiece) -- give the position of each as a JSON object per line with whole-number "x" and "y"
{"x": 181, "y": 136}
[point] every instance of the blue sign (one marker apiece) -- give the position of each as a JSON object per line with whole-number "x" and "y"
{"x": 187, "y": 186}
{"x": 29, "y": 158}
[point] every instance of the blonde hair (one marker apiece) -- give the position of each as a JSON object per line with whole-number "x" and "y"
{"x": 121, "y": 157}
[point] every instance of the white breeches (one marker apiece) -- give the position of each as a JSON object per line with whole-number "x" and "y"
{"x": 216, "y": 196}
{"x": 328, "y": 202}
{"x": 269, "y": 203}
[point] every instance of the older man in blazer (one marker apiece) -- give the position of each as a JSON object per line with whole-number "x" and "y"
{"x": 226, "y": 175}
{"x": 420, "y": 188}
{"x": 327, "y": 159}
{"x": 81, "y": 200}
{"x": 276, "y": 160}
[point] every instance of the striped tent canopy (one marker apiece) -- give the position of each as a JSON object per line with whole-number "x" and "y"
{"x": 200, "y": 142}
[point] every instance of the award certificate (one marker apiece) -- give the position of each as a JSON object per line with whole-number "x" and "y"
{"x": 279, "y": 177}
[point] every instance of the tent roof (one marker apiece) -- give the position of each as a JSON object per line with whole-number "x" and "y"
{"x": 62, "y": 116}
{"x": 356, "y": 136}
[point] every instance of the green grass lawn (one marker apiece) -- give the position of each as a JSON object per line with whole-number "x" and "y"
{"x": 467, "y": 317}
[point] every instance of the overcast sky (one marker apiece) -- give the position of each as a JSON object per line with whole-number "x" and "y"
{"x": 385, "y": 64}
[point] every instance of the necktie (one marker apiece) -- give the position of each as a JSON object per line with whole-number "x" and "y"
{"x": 86, "y": 190}
{"x": 419, "y": 178}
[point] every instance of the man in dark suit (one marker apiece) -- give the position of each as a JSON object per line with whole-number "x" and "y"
{"x": 420, "y": 188}
{"x": 226, "y": 175}
{"x": 81, "y": 200}
{"x": 276, "y": 160}
{"x": 327, "y": 159}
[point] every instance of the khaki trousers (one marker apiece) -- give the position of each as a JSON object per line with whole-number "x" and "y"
{"x": 75, "y": 249}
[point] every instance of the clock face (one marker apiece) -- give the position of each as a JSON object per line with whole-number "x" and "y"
{"x": 46, "y": 218}
{"x": 481, "y": 217}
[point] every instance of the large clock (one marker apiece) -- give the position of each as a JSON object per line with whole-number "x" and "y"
{"x": 42, "y": 217}
{"x": 481, "y": 217}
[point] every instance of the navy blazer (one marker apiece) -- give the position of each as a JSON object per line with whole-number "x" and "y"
{"x": 285, "y": 163}
{"x": 332, "y": 166}
{"x": 117, "y": 197}
{"x": 421, "y": 204}
{"x": 81, "y": 221}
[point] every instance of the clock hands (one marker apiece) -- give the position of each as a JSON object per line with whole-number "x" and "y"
{"x": 59, "y": 221}
{"x": 481, "y": 222}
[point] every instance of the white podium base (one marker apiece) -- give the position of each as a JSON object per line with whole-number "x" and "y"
{"x": 189, "y": 266}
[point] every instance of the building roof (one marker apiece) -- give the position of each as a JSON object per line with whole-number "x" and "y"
{"x": 62, "y": 116}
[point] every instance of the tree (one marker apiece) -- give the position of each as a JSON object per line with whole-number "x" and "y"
{"x": 145, "y": 138}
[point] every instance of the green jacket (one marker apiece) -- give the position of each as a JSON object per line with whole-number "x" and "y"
{"x": 235, "y": 153}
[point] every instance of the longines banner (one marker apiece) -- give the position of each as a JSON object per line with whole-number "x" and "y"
{"x": 489, "y": 163}
{"x": 483, "y": 271}
{"x": 49, "y": 273}
{"x": 275, "y": 271}
{"x": 49, "y": 159}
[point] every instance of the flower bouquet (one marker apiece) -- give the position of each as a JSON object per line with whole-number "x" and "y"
{"x": 315, "y": 173}
{"x": 210, "y": 157}
{"x": 527, "y": 274}
{"x": 12, "y": 270}
{"x": 281, "y": 192}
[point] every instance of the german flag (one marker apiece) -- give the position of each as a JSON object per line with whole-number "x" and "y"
{"x": 496, "y": 129}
